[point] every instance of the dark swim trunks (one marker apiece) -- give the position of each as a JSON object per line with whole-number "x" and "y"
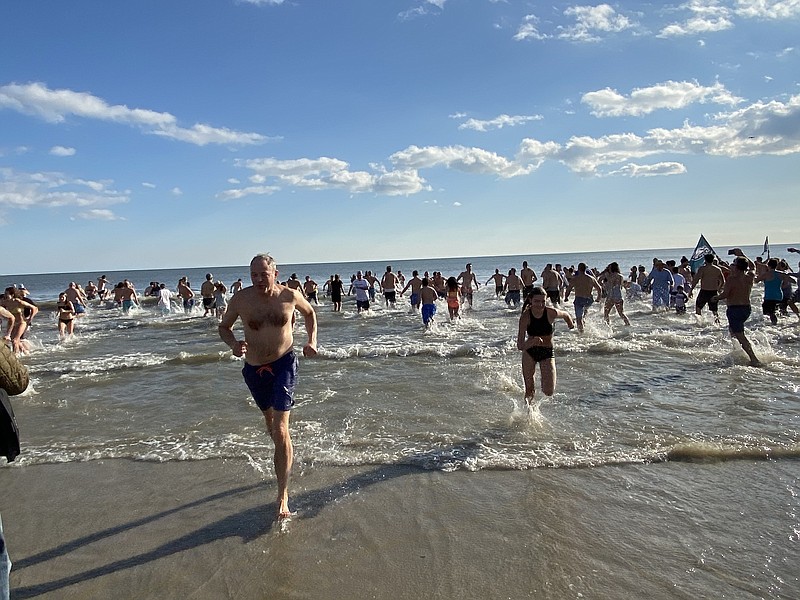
{"x": 272, "y": 385}
{"x": 737, "y": 315}
{"x": 540, "y": 353}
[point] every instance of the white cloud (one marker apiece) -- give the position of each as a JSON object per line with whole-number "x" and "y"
{"x": 529, "y": 30}
{"x": 768, "y": 9}
{"x": 662, "y": 168}
{"x": 263, "y": 2}
{"x": 99, "y": 214}
{"x": 62, "y": 151}
{"x": 499, "y": 122}
{"x": 23, "y": 190}
{"x": 592, "y": 19}
{"x": 456, "y": 203}
{"x": 708, "y": 16}
{"x": 669, "y": 95}
{"x": 325, "y": 173}
{"x": 147, "y": 184}
{"x": 176, "y": 191}
{"x": 461, "y": 158}
{"x": 55, "y": 106}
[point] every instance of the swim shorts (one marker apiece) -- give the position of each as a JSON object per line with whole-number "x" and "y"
{"x": 362, "y": 304}
{"x": 79, "y": 308}
{"x": 555, "y": 296}
{"x": 389, "y": 295}
{"x": 581, "y": 304}
{"x": 498, "y": 289}
{"x": 737, "y": 315}
{"x": 540, "y": 353}
{"x": 512, "y": 296}
{"x": 703, "y": 298}
{"x": 127, "y": 305}
{"x": 428, "y": 310}
{"x": 208, "y": 303}
{"x": 414, "y": 299}
{"x": 272, "y": 385}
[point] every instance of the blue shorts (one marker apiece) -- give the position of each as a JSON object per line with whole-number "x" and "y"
{"x": 272, "y": 385}
{"x": 428, "y": 310}
{"x": 737, "y": 315}
{"x": 581, "y": 304}
{"x": 79, "y": 308}
{"x": 512, "y": 296}
{"x": 414, "y": 299}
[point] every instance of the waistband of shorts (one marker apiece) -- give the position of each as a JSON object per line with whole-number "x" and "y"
{"x": 290, "y": 355}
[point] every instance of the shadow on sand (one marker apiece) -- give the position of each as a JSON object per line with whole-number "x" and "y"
{"x": 248, "y": 524}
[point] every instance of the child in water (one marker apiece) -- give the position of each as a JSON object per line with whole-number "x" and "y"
{"x": 679, "y": 299}
{"x": 453, "y": 302}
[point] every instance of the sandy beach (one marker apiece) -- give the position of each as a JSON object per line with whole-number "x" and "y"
{"x": 203, "y": 529}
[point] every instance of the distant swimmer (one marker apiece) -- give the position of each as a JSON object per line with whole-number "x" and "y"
{"x": 66, "y": 316}
{"x": 467, "y": 278}
{"x": 736, "y": 292}
{"x": 661, "y": 282}
{"x": 453, "y": 302}
{"x": 428, "y": 297}
{"x": 128, "y": 296}
{"x": 389, "y": 283}
{"x": 552, "y": 284}
{"x": 499, "y": 282}
{"x": 236, "y": 286}
{"x": 528, "y": 277}
{"x": 513, "y": 288}
{"x": 310, "y": 289}
{"x": 535, "y": 341}
{"x": 583, "y": 284}
{"x": 186, "y": 294}
{"x": 415, "y": 283}
{"x": 612, "y": 284}
{"x": 712, "y": 281}
{"x": 337, "y": 291}
{"x": 361, "y": 288}
{"x": 102, "y": 287}
{"x": 266, "y": 310}
{"x": 207, "y": 293}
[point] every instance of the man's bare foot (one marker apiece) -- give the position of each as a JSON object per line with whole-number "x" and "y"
{"x": 283, "y": 509}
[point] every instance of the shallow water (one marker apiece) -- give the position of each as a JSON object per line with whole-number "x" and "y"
{"x": 384, "y": 393}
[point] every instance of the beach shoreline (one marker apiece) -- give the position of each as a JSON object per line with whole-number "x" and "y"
{"x": 205, "y": 529}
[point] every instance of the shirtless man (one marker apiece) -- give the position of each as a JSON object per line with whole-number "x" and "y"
{"x": 75, "y": 295}
{"x": 528, "y": 276}
{"x": 127, "y": 296}
{"x": 293, "y": 283}
{"x": 551, "y": 282}
{"x": 737, "y": 290}
{"x": 102, "y": 290}
{"x": 428, "y": 296}
{"x": 207, "y": 293}
{"x": 499, "y": 284}
{"x": 371, "y": 280}
{"x": 187, "y": 295}
{"x": 467, "y": 278}
{"x": 415, "y": 283}
{"x": 711, "y": 281}
{"x": 266, "y": 309}
{"x": 513, "y": 288}
{"x": 583, "y": 284}
{"x": 389, "y": 283}
{"x": 310, "y": 290}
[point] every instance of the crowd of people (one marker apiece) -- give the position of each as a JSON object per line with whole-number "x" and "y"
{"x": 268, "y": 308}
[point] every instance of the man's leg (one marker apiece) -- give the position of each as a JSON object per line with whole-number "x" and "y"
{"x": 278, "y": 428}
{"x": 748, "y": 348}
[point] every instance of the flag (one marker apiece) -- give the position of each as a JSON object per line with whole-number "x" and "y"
{"x": 699, "y": 254}
{"x": 766, "y": 247}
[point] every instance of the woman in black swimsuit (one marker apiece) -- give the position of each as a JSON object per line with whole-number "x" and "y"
{"x": 535, "y": 341}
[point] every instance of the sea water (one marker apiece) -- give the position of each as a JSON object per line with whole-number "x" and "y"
{"x": 669, "y": 390}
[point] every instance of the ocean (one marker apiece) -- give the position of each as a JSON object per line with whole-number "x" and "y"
{"x": 659, "y": 428}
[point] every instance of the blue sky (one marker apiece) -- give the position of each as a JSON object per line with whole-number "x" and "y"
{"x": 176, "y": 134}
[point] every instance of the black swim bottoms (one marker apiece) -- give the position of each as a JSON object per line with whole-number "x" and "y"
{"x": 540, "y": 353}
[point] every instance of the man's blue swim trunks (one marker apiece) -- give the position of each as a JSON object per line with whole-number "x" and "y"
{"x": 272, "y": 385}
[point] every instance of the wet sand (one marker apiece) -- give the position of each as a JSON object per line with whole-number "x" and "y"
{"x": 204, "y": 529}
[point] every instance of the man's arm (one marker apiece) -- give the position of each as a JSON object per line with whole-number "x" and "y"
{"x": 225, "y": 329}
{"x": 310, "y": 319}
{"x": 6, "y": 314}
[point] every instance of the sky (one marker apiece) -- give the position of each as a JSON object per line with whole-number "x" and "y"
{"x": 157, "y": 134}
